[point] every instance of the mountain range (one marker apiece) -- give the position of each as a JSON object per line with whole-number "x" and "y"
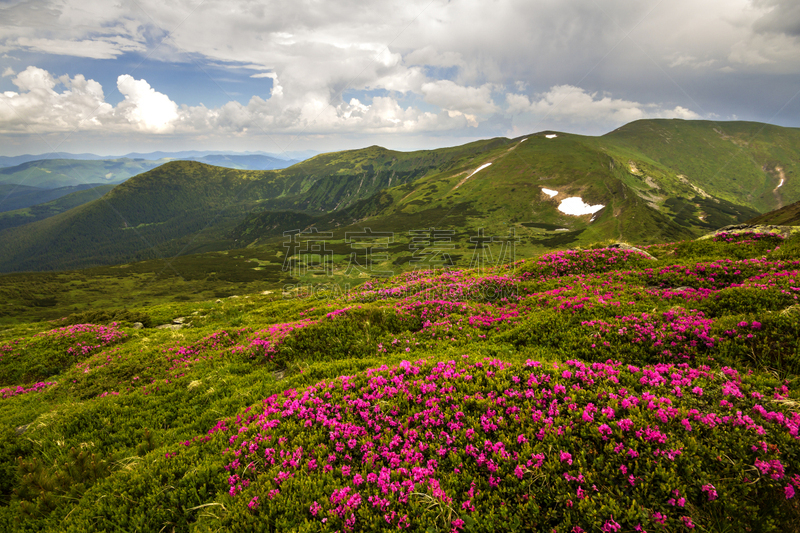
{"x": 42, "y": 180}
{"x": 646, "y": 182}
{"x": 10, "y": 161}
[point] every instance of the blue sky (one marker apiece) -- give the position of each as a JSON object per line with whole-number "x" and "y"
{"x": 143, "y": 75}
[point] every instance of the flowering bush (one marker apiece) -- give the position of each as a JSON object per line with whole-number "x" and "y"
{"x": 48, "y": 353}
{"x": 515, "y": 446}
{"x": 748, "y": 237}
{"x": 19, "y": 389}
{"x": 581, "y": 262}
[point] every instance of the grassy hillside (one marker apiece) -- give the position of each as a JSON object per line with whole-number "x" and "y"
{"x": 785, "y": 216}
{"x": 509, "y": 194}
{"x": 578, "y": 390}
{"x": 244, "y": 162}
{"x": 742, "y": 162}
{"x": 189, "y": 207}
{"x": 165, "y": 204}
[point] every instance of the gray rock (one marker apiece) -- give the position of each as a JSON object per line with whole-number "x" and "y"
{"x": 138, "y": 325}
{"x": 623, "y": 246}
{"x": 758, "y": 228}
{"x": 170, "y": 326}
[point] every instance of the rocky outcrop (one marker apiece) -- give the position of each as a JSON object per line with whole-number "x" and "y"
{"x": 623, "y": 246}
{"x": 785, "y": 231}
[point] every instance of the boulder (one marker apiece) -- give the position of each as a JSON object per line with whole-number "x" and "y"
{"x": 623, "y": 246}
{"x": 170, "y": 326}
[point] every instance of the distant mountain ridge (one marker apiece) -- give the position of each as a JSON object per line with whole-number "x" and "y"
{"x": 56, "y": 173}
{"x": 60, "y": 172}
{"x": 13, "y": 196}
{"x": 10, "y": 161}
{"x": 43, "y": 180}
{"x": 649, "y": 181}
{"x": 77, "y": 196}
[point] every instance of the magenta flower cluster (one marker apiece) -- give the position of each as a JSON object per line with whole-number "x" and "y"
{"x": 465, "y": 431}
{"x": 8, "y": 392}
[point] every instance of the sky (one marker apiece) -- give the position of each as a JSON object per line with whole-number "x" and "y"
{"x": 113, "y": 77}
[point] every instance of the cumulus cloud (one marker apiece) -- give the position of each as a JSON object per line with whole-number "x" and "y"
{"x": 102, "y": 30}
{"x": 145, "y": 108}
{"x": 276, "y": 90}
{"x": 766, "y": 53}
{"x": 567, "y": 104}
{"x": 453, "y": 97}
{"x": 39, "y": 106}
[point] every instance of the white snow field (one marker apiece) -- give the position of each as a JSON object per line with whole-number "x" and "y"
{"x": 576, "y": 207}
{"x": 478, "y": 170}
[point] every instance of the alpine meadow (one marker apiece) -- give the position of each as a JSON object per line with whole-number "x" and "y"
{"x": 436, "y": 266}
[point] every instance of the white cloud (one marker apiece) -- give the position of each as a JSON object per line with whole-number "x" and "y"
{"x": 144, "y": 107}
{"x": 453, "y": 97}
{"x": 8, "y": 72}
{"x": 430, "y": 57}
{"x": 767, "y": 52}
{"x": 679, "y": 112}
{"x": 566, "y": 104}
{"x": 40, "y": 107}
{"x": 93, "y": 49}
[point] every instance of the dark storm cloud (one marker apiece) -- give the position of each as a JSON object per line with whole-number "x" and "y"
{"x": 783, "y": 17}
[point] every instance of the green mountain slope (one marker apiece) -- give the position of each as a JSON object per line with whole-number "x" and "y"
{"x": 511, "y": 193}
{"x": 785, "y": 216}
{"x": 743, "y": 162}
{"x": 244, "y": 162}
{"x": 655, "y": 180}
{"x": 190, "y": 207}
